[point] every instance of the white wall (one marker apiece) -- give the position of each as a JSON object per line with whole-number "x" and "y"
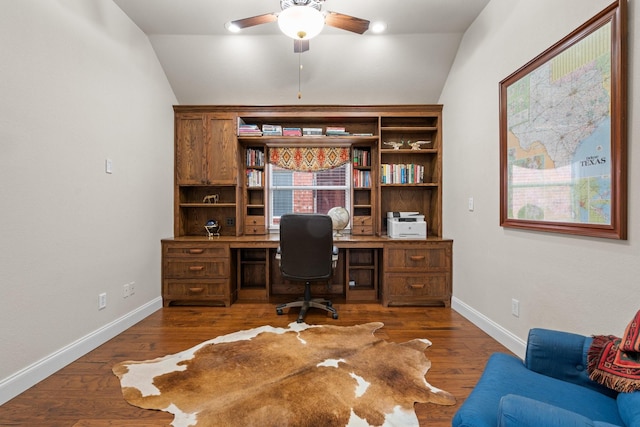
{"x": 338, "y": 69}
{"x": 584, "y": 285}
{"x": 79, "y": 83}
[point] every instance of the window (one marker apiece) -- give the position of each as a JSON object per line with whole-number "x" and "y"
{"x": 307, "y": 192}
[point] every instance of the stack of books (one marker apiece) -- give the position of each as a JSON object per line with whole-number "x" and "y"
{"x": 311, "y": 131}
{"x": 292, "y": 131}
{"x": 271, "y": 130}
{"x": 336, "y": 131}
{"x": 249, "y": 130}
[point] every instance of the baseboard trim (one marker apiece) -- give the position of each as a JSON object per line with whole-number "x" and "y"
{"x": 26, "y": 378}
{"x": 497, "y": 332}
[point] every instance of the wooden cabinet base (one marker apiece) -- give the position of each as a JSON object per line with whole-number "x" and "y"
{"x": 370, "y": 269}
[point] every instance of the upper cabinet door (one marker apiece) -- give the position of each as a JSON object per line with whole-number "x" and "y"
{"x": 206, "y": 149}
{"x": 223, "y": 146}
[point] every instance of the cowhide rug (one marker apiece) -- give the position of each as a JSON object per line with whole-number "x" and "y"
{"x": 299, "y": 376}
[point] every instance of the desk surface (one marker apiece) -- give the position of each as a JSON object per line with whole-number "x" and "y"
{"x": 272, "y": 240}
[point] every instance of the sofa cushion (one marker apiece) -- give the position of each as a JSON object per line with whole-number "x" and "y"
{"x": 629, "y": 408}
{"x": 506, "y": 374}
{"x": 519, "y": 411}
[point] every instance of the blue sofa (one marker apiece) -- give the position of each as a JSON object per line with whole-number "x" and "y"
{"x": 550, "y": 388}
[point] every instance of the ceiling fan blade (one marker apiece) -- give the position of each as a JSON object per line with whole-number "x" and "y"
{"x": 300, "y": 46}
{"x": 346, "y": 22}
{"x": 255, "y": 20}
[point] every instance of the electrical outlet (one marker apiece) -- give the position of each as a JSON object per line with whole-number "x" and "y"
{"x": 230, "y": 222}
{"x": 132, "y": 288}
{"x": 102, "y": 300}
{"x": 515, "y": 307}
{"x": 126, "y": 291}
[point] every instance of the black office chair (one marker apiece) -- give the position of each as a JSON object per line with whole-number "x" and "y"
{"x": 307, "y": 254}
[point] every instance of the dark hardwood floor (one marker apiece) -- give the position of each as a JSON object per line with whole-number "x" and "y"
{"x": 86, "y": 393}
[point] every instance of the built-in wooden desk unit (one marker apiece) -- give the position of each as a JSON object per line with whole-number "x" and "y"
{"x": 370, "y": 269}
{"x": 221, "y": 173}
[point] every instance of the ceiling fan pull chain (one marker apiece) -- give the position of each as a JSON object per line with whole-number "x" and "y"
{"x": 299, "y": 73}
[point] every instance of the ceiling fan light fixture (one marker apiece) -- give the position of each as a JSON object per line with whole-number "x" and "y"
{"x": 378, "y": 27}
{"x": 232, "y": 28}
{"x": 301, "y": 22}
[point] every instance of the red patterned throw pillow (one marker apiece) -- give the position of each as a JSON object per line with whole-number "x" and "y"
{"x": 631, "y": 338}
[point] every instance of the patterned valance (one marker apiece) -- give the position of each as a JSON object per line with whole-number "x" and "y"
{"x": 309, "y": 159}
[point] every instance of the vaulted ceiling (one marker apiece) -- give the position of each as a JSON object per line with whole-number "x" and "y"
{"x": 206, "y": 64}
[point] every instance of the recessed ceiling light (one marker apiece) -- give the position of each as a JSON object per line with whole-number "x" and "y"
{"x": 232, "y": 28}
{"x": 378, "y": 27}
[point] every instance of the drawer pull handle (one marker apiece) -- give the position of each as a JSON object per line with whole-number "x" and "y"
{"x": 417, "y": 286}
{"x": 416, "y": 257}
{"x": 196, "y": 290}
{"x": 196, "y": 251}
{"x": 196, "y": 268}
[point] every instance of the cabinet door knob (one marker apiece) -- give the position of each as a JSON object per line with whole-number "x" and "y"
{"x": 417, "y": 286}
{"x": 196, "y": 268}
{"x": 416, "y": 257}
{"x": 196, "y": 290}
{"x": 196, "y": 251}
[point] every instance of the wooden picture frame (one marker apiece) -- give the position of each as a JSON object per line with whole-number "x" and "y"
{"x": 563, "y": 127}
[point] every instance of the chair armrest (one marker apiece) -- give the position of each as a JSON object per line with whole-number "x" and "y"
{"x": 525, "y": 412}
{"x": 334, "y": 257}
{"x": 561, "y": 355}
{"x": 278, "y": 253}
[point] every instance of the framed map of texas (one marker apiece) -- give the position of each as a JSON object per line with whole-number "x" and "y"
{"x": 563, "y": 134}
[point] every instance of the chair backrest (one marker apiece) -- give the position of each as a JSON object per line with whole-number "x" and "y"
{"x": 306, "y": 243}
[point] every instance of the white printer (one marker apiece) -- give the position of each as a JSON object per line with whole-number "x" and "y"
{"x": 406, "y": 225}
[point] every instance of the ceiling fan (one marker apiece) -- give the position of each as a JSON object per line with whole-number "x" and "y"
{"x": 304, "y": 19}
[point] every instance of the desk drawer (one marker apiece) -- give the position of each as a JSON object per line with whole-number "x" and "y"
{"x": 196, "y": 268}
{"x": 195, "y": 289}
{"x": 437, "y": 257}
{"x": 362, "y": 226}
{"x": 417, "y": 286}
{"x": 194, "y": 250}
{"x": 362, "y": 230}
{"x": 254, "y": 225}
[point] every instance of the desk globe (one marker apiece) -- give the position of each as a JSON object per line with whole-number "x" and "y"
{"x": 339, "y": 218}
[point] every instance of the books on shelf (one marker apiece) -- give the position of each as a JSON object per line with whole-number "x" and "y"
{"x": 401, "y": 174}
{"x": 336, "y": 131}
{"x": 291, "y": 131}
{"x": 247, "y": 129}
{"x": 271, "y": 130}
{"x": 255, "y": 178}
{"x": 361, "y": 157}
{"x": 361, "y": 179}
{"x": 255, "y": 157}
{"x": 311, "y": 131}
